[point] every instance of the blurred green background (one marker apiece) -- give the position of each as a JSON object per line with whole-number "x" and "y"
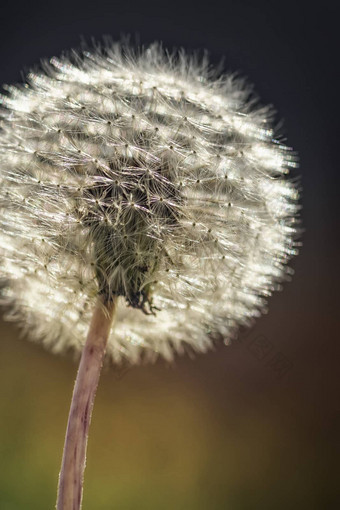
{"x": 248, "y": 426}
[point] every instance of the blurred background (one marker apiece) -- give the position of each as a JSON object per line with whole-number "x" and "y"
{"x": 246, "y": 427}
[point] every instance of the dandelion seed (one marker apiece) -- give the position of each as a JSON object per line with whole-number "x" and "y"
{"x": 145, "y": 185}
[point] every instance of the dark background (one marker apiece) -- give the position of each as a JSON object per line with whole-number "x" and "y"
{"x": 252, "y": 426}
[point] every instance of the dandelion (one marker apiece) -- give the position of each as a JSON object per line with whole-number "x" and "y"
{"x": 145, "y": 187}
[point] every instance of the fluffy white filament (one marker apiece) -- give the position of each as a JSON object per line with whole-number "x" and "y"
{"x": 145, "y": 176}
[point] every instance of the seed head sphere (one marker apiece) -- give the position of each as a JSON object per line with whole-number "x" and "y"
{"x": 143, "y": 175}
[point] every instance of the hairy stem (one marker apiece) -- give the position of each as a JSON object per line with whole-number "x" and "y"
{"x": 70, "y": 489}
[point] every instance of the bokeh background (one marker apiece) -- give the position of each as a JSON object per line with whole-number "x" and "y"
{"x": 246, "y": 427}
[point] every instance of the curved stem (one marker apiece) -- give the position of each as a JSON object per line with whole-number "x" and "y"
{"x": 70, "y": 488}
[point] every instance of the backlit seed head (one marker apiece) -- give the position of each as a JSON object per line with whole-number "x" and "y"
{"x": 144, "y": 176}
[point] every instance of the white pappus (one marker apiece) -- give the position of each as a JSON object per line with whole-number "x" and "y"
{"x": 144, "y": 175}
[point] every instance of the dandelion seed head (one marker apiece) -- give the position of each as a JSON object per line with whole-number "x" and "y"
{"x": 145, "y": 176}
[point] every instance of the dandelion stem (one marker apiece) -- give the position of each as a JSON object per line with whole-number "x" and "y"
{"x": 70, "y": 487}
